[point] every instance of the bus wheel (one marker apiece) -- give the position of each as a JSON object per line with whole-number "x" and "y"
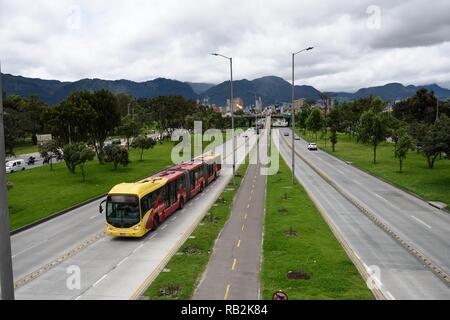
{"x": 155, "y": 222}
{"x": 181, "y": 204}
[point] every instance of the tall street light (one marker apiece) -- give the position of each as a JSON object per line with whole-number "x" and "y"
{"x": 232, "y": 112}
{"x": 293, "y": 111}
{"x": 6, "y": 273}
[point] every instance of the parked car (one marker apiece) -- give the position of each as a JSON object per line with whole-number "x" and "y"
{"x": 15, "y": 165}
{"x": 286, "y": 134}
{"x": 312, "y": 147}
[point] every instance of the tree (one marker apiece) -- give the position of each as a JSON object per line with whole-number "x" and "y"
{"x": 437, "y": 140}
{"x": 403, "y": 146}
{"x": 77, "y": 154}
{"x": 33, "y": 108}
{"x": 333, "y": 138}
{"x": 301, "y": 119}
{"x": 13, "y": 125}
{"x": 106, "y": 119}
{"x": 117, "y": 155}
{"x": 50, "y": 150}
{"x": 372, "y": 129}
{"x": 142, "y": 142}
{"x": 129, "y": 128}
{"x": 86, "y": 154}
{"x": 71, "y": 120}
{"x": 315, "y": 121}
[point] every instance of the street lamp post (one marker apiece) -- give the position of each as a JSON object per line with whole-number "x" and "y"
{"x": 293, "y": 111}
{"x": 232, "y": 112}
{"x": 6, "y": 273}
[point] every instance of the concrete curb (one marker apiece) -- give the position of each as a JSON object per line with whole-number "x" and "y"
{"x": 374, "y": 218}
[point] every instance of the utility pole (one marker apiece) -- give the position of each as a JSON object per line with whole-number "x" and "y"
{"x": 232, "y": 113}
{"x": 293, "y": 111}
{"x": 6, "y": 273}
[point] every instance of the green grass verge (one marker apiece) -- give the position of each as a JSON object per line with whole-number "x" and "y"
{"x": 189, "y": 263}
{"x": 25, "y": 150}
{"x": 297, "y": 238}
{"x": 431, "y": 184}
{"x": 39, "y": 192}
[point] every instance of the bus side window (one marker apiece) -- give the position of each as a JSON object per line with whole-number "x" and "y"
{"x": 166, "y": 196}
{"x": 173, "y": 192}
{"x": 145, "y": 204}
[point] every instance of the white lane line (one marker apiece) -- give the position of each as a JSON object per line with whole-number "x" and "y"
{"x": 357, "y": 182}
{"x": 420, "y": 221}
{"x": 153, "y": 235}
{"x": 93, "y": 217}
{"x": 78, "y": 298}
{"x": 390, "y": 295}
{"x": 140, "y": 246}
{"x": 122, "y": 261}
{"x": 163, "y": 227}
{"x": 100, "y": 280}
{"x": 381, "y": 197}
{"x": 29, "y": 248}
{"x": 173, "y": 219}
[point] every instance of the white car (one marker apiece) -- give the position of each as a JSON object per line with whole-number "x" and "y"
{"x": 15, "y": 165}
{"x": 312, "y": 147}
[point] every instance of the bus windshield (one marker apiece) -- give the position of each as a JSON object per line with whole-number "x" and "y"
{"x": 122, "y": 211}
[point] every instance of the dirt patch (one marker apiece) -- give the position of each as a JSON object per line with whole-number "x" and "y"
{"x": 298, "y": 275}
{"x": 170, "y": 290}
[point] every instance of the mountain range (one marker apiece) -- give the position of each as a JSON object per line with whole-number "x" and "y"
{"x": 271, "y": 89}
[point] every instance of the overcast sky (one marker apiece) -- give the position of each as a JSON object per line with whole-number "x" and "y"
{"x": 357, "y": 43}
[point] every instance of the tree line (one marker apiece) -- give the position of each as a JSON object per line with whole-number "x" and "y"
{"x": 421, "y": 123}
{"x": 81, "y": 124}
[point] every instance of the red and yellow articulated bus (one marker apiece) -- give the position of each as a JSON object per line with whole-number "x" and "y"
{"x": 133, "y": 209}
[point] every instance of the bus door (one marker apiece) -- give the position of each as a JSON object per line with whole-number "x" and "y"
{"x": 172, "y": 201}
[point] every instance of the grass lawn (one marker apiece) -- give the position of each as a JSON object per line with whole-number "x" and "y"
{"x": 38, "y": 193}
{"x": 187, "y": 266}
{"x": 298, "y": 239}
{"x": 431, "y": 184}
{"x": 25, "y": 150}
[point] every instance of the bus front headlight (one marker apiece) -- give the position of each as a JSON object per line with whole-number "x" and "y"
{"x": 137, "y": 227}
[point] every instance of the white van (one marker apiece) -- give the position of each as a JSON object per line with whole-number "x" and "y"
{"x": 15, "y": 165}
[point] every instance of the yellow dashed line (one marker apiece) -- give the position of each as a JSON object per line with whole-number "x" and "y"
{"x": 238, "y": 243}
{"x": 233, "y": 267}
{"x": 227, "y": 290}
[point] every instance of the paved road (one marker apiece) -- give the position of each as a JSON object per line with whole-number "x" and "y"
{"x": 402, "y": 276}
{"x": 110, "y": 268}
{"x": 233, "y": 269}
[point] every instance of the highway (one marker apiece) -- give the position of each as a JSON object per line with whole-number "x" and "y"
{"x": 110, "y": 268}
{"x": 402, "y": 275}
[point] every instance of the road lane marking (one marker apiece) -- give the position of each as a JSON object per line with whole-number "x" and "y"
{"x": 99, "y": 280}
{"x": 78, "y": 298}
{"x": 238, "y": 243}
{"x": 420, "y": 221}
{"x": 30, "y": 247}
{"x": 248, "y": 206}
{"x": 140, "y": 246}
{"x": 390, "y": 295}
{"x": 163, "y": 227}
{"x": 233, "y": 267}
{"x": 93, "y": 217}
{"x": 227, "y": 290}
{"x": 32, "y": 276}
{"x": 245, "y": 217}
{"x": 154, "y": 235}
{"x": 243, "y": 227}
{"x": 122, "y": 261}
